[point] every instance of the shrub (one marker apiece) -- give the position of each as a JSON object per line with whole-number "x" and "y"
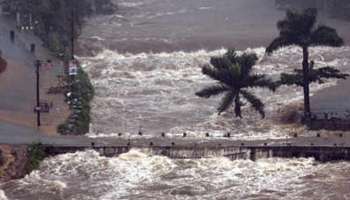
{"x": 36, "y": 153}
{"x": 82, "y": 92}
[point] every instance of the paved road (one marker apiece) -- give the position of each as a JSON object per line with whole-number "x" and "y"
{"x": 17, "y": 82}
{"x": 16, "y": 134}
{"x": 336, "y": 98}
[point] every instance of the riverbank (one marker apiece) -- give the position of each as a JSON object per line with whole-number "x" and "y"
{"x": 16, "y": 161}
{"x": 13, "y": 162}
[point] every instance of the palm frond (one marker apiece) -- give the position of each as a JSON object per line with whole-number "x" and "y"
{"x": 231, "y": 55}
{"x": 260, "y": 80}
{"x": 226, "y": 102}
{"x": 292, "y": 79}
{"x": 233, "y": 73}
{"x": 308, "y": 20}
{"x": 315, "y": 75}
{"x": 212, "y": 91}
{"x": 247, "y": 61}
{"x": 220, "y": 75}
{"x": 297, "y": 24}
{"x": 327, "y": 36}
{"x": 220, "y": 62}
{"x": 295, "y": 29}
{"x": 256, "y": 103}
{"x": 330, "y": 72}
{"x": 278, "y": 43}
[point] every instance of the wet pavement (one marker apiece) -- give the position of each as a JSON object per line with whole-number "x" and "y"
{"x": 18, "y": 85}
{"x": 334, "y": 99}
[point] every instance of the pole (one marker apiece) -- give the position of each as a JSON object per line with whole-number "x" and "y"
{"x": 72, "y": 32}
{"x": 37, "y": 64}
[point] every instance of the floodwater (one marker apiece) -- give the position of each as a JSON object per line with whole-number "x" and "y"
{"x": 140, "y": 175}
{"x": 145, "y": 64}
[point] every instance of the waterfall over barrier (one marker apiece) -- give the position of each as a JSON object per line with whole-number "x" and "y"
{"x": 322, "y": 149}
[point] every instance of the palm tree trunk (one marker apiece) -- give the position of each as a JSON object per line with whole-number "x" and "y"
{"x": 307, "y": 110}
{"x": 238, "y": 106}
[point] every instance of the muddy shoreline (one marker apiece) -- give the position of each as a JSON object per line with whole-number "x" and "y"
{"x": 13, "y": 162}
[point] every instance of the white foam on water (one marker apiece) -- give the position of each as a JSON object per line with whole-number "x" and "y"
{"x": 140, "y": 175}
{"x": 162, "y": 14}
{"x": 130, "y": 4}
{"x": 155, "y": 92}
{"x": 205, "y": 8}
{"x": 97, "y": 38}
{"x": 3, "y": 195}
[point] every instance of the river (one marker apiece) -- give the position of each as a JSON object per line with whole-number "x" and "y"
{"x": 145, "y": 64}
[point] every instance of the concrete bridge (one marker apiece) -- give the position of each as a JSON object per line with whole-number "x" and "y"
{"x": 322, "y": 149}
{"x": 319, "y": 146}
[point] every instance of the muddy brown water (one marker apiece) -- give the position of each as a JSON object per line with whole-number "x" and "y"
{"x": 145, "y": 63}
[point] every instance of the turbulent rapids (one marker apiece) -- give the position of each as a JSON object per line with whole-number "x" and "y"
{"x": 163, "y": 84}
{"x": 145, "y": 63}
{"x": 154, "y": 92}
{"x": 139, "y": 175}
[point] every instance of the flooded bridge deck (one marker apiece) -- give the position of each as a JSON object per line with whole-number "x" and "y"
{"x": 322, "y": 149}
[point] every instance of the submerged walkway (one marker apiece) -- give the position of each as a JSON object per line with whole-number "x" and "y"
{"x": 321, "y": 148}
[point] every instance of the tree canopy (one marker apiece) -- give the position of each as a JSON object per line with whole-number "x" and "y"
{"x": 234, "y": 77}
{"x": 300, "y": 28}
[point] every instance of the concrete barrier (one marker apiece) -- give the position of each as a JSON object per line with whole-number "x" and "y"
{"x": 318, "y": 148}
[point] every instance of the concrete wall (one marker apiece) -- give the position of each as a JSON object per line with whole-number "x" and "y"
{"x": 322, "y": 154}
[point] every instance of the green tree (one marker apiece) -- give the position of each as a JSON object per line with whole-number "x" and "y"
{"x": 301, "y": 29}
{"x": 234, "y": 77}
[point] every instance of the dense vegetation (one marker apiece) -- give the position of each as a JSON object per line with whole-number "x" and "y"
{"x": 53, "y": 19}
{"x": 79, "y": 97}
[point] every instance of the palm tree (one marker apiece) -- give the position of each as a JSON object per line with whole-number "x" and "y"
{"x": 234, "y": 77}
{"x": 300, "y": 29}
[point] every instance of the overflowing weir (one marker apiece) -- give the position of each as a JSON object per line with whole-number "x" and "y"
{"x": 322, "y": 149}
